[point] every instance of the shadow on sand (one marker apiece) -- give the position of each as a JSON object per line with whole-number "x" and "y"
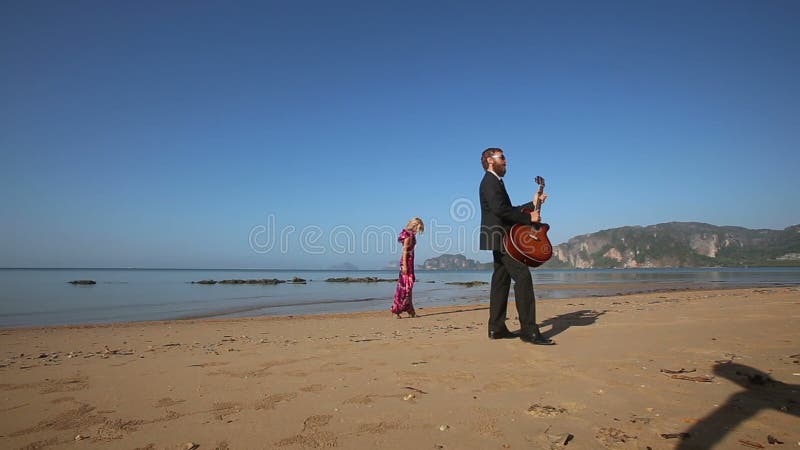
{"x": 760, "y": 393}
{"x": 562, "y": 322}
{"x": 455, "y": 311}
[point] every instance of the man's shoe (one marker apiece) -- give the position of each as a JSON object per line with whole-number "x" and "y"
{"x": 502, "y": 334}
{"x": 537, "y": 339}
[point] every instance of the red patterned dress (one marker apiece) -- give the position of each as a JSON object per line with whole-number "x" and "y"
{"x": 405, "y": 282}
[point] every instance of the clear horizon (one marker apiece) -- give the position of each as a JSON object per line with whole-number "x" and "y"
{"x": 343, "y": 266}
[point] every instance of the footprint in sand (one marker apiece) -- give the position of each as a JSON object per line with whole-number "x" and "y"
{"x": 221, "y": 410}
{"x": 166, "y": 402}
{"x": 46, "y": 443}
{"x": 69, "y": 384}
{"x": 81, "y": 417}
{"x": 365, "y": 399}
{"x": 314, "y": 422}
{"x": 609, "y": 436}
{"x": 271, "y": 400}
{"x": 312, "y": 436}
{"x": 488, "y": 427}
{"x": 313, "y": 388}
{"x": 318, "y": 439}
{"x": 112, "y": 430}
{"x": 538, "y": 410}
{"x": 380, "y": 427}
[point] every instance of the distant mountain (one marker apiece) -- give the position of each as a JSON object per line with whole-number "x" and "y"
{"x": 674, "y": 244}
{"x": 343, "y": 266}
{"x": 679, "y": 244}
{"x": 454, "y": 262}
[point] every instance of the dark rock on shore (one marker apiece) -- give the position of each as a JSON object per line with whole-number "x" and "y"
{"x": 266, "y": 281}
{"x": 468, "y": 283}
{"x": 298, "y": 280}
{"x": 360, "y": 280}
{"x": 261, "y": 281}
{"x": 83, "y": 282}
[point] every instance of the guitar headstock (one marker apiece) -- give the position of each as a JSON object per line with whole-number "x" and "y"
{"x": 540, "y": 181}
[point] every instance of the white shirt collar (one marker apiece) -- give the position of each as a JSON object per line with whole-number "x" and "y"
{"x": 492, "y": 172}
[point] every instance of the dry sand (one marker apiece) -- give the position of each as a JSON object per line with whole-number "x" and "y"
{"x": 368, "y": 380}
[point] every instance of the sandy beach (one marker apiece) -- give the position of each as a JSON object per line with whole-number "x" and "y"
{"x": 687, "y": 369}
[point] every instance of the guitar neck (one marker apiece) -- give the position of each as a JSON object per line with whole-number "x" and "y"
{"x": 538, "y": 205}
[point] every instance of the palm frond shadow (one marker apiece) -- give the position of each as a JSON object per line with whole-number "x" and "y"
{"x": 760, "y": 392}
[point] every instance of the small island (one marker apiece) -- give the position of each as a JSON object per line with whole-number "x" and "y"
{"x": 454, "y": 262}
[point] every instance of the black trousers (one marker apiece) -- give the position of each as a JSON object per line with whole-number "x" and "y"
{"x": 506, "y": 269}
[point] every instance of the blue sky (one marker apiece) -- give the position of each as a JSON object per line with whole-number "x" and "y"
{"x": 305, "y": 134}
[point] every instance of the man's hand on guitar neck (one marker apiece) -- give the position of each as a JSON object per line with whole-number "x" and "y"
{"x": 538, "y": 199}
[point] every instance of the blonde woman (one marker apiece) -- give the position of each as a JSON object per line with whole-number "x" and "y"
{"x": 405, "y": 281}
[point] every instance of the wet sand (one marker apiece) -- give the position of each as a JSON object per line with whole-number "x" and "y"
{"x": 628, "y": 372}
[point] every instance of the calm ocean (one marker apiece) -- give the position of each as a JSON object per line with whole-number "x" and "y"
{"x": 34, "y": 297}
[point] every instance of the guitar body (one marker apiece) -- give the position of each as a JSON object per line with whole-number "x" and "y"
{"x": 529, "y": 244}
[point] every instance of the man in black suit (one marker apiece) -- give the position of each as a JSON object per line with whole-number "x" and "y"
{"x": 497, "y": 217}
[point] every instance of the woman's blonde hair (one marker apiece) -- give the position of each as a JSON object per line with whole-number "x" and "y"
{"x": 414, "y": 221}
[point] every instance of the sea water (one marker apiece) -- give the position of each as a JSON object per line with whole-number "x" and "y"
{"x": 35, "y": 297}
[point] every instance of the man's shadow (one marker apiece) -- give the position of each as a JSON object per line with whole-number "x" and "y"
{"x": 561, "y": 322}
{"x": 760, "y": 392}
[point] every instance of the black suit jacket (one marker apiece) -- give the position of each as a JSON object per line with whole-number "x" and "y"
{"x": 497, "y": 213}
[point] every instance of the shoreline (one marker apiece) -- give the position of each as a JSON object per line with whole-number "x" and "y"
{"x": 367, "y": 380}
{"x": 572, "y": 290}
